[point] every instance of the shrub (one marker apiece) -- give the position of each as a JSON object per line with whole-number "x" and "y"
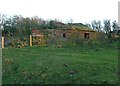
{"x": 19, "y": 43}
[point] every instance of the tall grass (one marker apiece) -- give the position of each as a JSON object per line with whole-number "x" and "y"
{"x": 91, "y": 64}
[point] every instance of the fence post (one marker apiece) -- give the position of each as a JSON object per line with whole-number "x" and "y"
{"x": 2, "y": 41}
{"x": 30, "y": 40}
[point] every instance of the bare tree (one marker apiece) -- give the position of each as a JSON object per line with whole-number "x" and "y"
{"x": 93, "y": 25}
{"x": 88, "y": 25}
{"x": 96, "y": 25}
{"x": 115, "y": 27}
{"x": 107, "y": 26}
{"x": 99, "y": 26}
{"x": 2, "y": 20}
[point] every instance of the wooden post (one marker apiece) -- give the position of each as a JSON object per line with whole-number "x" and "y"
{"x": 30, "y": 40}
{"x": 2, "y": 41}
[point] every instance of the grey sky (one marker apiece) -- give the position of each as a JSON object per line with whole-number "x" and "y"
{"x": 79, "y": 10}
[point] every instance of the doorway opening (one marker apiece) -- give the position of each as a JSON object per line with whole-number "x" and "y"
{"x": 86, "y": 35}
{"x": 64, "y": 35}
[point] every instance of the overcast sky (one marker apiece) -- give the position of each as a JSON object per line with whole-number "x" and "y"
{"x": 78, "y": 10}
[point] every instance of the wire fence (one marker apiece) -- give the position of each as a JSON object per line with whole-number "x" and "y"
{"x": 15, "y": 41}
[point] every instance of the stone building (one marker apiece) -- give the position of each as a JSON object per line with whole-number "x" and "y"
{"x": 65, "y": 34}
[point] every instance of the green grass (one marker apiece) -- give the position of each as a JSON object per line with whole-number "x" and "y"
{"x": 66, "y": 65}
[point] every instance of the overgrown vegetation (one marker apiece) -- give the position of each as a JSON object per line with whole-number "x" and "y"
{"x": 75, "y": 61}
{"x": 19, "y": 25}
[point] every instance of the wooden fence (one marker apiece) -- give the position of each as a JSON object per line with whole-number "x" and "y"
{"x": 2, "y": 42}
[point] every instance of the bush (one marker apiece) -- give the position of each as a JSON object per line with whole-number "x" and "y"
{"x": 19, "y": 43}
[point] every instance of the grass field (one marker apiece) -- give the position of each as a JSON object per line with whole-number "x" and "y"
{"x": 67, "y": 65}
